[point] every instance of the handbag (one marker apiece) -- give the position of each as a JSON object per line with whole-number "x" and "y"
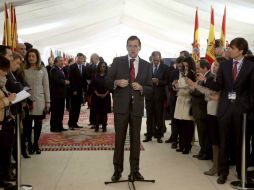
{"x": 9, "y": 119}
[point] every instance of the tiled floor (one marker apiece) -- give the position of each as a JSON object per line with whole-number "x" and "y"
{"x": 80, "y": 170}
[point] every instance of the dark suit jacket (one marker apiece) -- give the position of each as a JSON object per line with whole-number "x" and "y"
{"x": 173, "y": 75}
{"x": 66, "y": 71}
{"x": 12, "y": 85}
{"x": 57, "y": 83}
{"x": 77, "y": 80}
{"x": 91, "y": 71}
{"x": 159, "y": 92}
{"x": 198, "y": 103}
{"x": 243, "y": 86}
{"x": 122, "y": 96}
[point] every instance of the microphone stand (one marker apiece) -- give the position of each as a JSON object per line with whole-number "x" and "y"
{"x": 131, "y": 181}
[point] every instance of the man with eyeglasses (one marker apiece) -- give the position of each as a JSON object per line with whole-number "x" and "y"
{"x": 130, "y": 79}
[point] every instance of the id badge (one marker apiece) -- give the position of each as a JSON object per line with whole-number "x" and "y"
{"x": 232, "y": 96}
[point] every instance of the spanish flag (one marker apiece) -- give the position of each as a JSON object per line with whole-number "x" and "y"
{"x": 210, "y": 50}
{"x": 14, "y": 33}
{"x": 196, "y": 43}
{"x": 7, "y": 29}
{"x": 223, "y": 31}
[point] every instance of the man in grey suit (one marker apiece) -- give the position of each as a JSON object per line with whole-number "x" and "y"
{"x": 130, "y": 79}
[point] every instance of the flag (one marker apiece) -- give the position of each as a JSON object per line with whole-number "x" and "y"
{"x": 64, "y": 58}
{"x": 223, "y": 31}
{"x": 196, "y": 44}
{"x": 14, "y": 33}
{"x": 52, "y": 54}
{"x": 7, "y": 29}
{"x": 210, "y": 50}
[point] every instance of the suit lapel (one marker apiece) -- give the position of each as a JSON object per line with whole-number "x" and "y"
{"x": 242, "y": 70}
{"x": 140, "y": 68}
{"x": 59, "y": 70}
{"x": 126, "y": 66}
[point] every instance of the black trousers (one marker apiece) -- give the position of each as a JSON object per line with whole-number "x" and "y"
{"x": 37, "y": 129}
{"x": 121, "y": 126}
{"x": 150, "y": 124}
{"x": 92, "y": 116}
{"x": 6, "y": 145}
{"x": 203, "y": 136}
{"x": 213, "y": 129}
{"x": 101, "y": 118}
{"x": 174, "y": 129}
{"x": 74, "y": 110}
{"x": 186, "y": 132}
{"x": 155, "y": 124}
{"x": 57, "y": 113}
{"x": 250, "y": 142}
{"x": 68, "y": 99}
{"x": 230, "y": 125}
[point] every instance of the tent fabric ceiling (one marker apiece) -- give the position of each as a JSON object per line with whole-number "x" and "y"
{"x": 103, "y": 26}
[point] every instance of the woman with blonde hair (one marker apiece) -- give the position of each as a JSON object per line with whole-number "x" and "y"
{"x": 37, "y": 78}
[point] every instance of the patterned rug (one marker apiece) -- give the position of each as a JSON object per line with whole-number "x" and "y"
{"x": 80, "y": 139}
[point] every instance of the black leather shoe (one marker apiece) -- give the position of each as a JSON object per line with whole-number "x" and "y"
{"x": 159, "y": 140}
{"x": 116, "y": 176}
{"x": 186, "y": 151}
{"x": 179, "y": 150}
{"x": 38, "y": 151}
{"x": 55, "y": 130}
{"x": 77, "y": 126}
{"x": 135, "y": 176}
{"x": 71, "y": 128}
{"x": 63, "y": 129}
{"x": 204, "y": 157}
{"x": 222, "y": 179}
{"x": 174, "y": 145}
{"x": 25, "y": 155}
{"x": 92, "y": 127}
{"x": 170, "y": 140}
{"x": 5, "y": 185}
{"x": 147, "y": 139}
{"x": 197, "y": 156}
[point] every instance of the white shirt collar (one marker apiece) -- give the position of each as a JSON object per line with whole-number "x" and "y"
{"x": 136, "y": 58}
{"x": 157, "y": 65}
{"x": 239, "y": 61}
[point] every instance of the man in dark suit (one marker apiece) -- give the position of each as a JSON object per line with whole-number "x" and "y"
{"x": 235, "y": 80}
{"x": 199, "y": 113}
{"x": 91, "y": 71}
{"x": 78, "y": 84}
{"x": 155, "y": 109}
{"x": 130, "y": 79}
{"x": 66, "y": 73}
{"x": 58, "y": 85}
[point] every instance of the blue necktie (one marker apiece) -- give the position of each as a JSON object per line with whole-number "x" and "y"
{"x": 155, "y": 71}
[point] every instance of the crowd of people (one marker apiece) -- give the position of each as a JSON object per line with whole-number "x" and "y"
{"x": 211, "y": 97}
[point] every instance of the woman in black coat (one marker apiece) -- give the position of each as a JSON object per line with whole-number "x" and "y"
{"x": 101, "y": 101}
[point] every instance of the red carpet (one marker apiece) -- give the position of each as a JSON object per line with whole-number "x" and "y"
{"x": 80, "y": 139}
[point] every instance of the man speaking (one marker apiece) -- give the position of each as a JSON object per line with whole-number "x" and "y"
{"x": 130, "y": 79}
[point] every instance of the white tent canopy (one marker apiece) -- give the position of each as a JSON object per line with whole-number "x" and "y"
{"x": 103, "y": 26}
